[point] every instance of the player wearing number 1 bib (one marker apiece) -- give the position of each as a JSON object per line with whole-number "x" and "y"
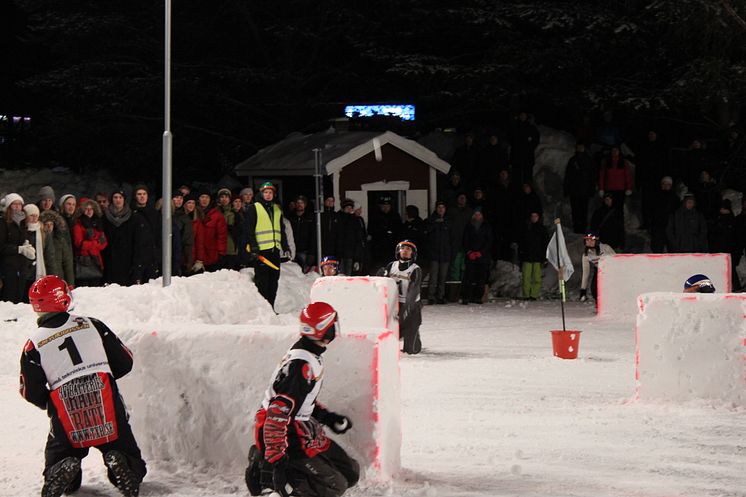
{"x": 69, "y": 367}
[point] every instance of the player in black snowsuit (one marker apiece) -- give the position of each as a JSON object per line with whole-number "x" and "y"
{"x": 69, "y": 367}
{"x": 292, "y": 454}
{"x": 408, "y": 276}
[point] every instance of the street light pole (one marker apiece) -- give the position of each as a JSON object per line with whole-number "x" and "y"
{"x": 319, "y": 204}
{"x": 167, "y": 157}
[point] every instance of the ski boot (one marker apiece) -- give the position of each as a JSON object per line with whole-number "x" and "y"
{"x": 121, "y": 475}
{"x": 60, "y": 476}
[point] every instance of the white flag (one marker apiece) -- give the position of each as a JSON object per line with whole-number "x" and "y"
{"x": 564, "y": 257}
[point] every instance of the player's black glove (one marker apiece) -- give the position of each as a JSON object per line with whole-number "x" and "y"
{"x": 337, "y": 423}
{"x": 280, "y": 478}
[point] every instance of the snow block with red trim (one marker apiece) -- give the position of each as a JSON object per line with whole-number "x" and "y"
{"x": 368, "y": 310}
{"x": 691, "y": 346}
{"x": 623, "y": 277}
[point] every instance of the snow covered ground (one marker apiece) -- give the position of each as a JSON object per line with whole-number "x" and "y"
{"x": 487, "y": 410}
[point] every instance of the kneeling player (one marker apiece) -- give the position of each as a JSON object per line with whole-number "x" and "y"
{"x": 408, "y": 276}
{"x": 292, "y": 454}
{"x": 80, "y": 359}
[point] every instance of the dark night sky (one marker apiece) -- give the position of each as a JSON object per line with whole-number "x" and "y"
{"x": 247, "y": 73}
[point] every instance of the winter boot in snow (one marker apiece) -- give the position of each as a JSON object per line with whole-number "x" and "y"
{"x": 60, "y": 476}
{"x": 121, "y": 475}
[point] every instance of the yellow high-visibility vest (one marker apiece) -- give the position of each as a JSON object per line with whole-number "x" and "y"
{"x": 268, "y": 234}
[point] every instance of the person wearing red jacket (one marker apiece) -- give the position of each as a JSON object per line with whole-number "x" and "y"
{"x": 615, "y": 177}
{"x": 293, "y": 455}
{"x": 89, "y": 240}
{"x": 69, "y": 366}
{"x": 211, "y": 237}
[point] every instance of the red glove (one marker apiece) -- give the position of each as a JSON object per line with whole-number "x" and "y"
{"x": 470, "y": 255}
{"x": 477, "y": 254}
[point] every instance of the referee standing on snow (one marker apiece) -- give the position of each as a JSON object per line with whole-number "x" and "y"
{"x": 267, "y": 241}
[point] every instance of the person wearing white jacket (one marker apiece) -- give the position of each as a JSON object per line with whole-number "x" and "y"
{"x": 17, "y": 253}
{"x": 592, "y": 253}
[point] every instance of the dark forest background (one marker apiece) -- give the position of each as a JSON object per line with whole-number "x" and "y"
{"x": 246, "y": 73}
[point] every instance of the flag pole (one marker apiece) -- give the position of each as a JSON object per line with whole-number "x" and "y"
{"x": 560, "y": 272}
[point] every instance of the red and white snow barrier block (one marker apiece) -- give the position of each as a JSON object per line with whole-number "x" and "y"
{"x": 691, "y": 346}
{"x": 623, "y": 277}
{"x": 368, "y": 310}
{"x": 194, "y": 390}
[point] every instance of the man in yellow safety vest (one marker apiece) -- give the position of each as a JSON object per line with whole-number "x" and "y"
{"x": 267, "y": 241}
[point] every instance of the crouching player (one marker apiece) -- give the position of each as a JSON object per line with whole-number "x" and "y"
{"x": 292, "y": 454}
{"x": 69, "y": 367}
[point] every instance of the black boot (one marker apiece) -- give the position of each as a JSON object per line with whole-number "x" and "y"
{"x": 121, "y": 475}
{"x": 60, "y": 476}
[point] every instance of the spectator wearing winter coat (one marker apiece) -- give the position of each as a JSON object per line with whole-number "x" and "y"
{"x": 150, "y": 239}
{"x": 532, "y": 251}
{"x": 608, "y": 222}
{"x": 526, "y": 202}
{"x": 304, "y": 233}
{"x": 225, "y": 207}
{"x": 123, "y": 231}
{"x": 687, "y": 228}
{"x": 61, "y": 263}
{"x": 39, "y": 239}
{"x": 707, "y": 194}
{"x": 479, "y": 200}
{"x": 183, "y": 261}
{"x": 243, "y": 237}
{"x": 477, "y": 243}
{"x": 18, "y": 252}
{"x": 46, "y": 199}
{"x": 194, "y": 215}
{"x": 723, "y": 238}
{"x": 740, "y": 227}
{"x": 492, "y": 159}
{"x": 615, "y": 177}
{"x": 440, "y": 250}
{"x": 579, "y": 184}
{"x": 651, "y": 164}
{"x": 459, "y": 216}
{"x": 453, "y": 188}
{"x": 693, "y": 163}
{"x": 212, "y": 244}
{"x": 524, "y": 138}
{"x": 328, "y": 216}
{"x": 89, "y": 239}
{"x": 385, "y": 228}
{"x": 247, "y": 198}
{"x": 348, "y": 238}
{"x": 664, "y": 204}
{"x": 68, "y": 205}
{"x": 466, "y": 159}
{"x": 413, "y": 229}
{"x": 503, "y": 203}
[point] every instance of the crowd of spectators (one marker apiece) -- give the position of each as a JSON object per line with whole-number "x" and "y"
{"x": 487, "y": 210}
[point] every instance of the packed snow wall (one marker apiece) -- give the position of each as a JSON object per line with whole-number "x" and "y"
{"x": 691, "y": 346}
{"x": 368, "y": 310}
{"x": 194, "y": 389}
{"x": 623, "y": 277}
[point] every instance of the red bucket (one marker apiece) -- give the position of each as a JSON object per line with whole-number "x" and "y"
{"x": 565, "y": 343}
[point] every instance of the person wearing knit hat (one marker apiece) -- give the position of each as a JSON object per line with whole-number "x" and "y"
{"x": 60, "y": 262}
{"x": 18, "y": 255}
{"x": 40, "y": 242}
{"x": 46, "y": 198}
{"x": 89, "y": 241}
{"x": 68, "y": 204}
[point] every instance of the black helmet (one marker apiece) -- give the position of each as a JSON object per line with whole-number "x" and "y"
{"x": 407, "y": 243}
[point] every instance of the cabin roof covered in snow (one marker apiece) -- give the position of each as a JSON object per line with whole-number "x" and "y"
{"x": 294, "y": 155}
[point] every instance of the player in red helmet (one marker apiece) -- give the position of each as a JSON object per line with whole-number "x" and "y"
{"x": 69, "y": 367}
{"x": 408, "y": 276}
{"x": 293, "y": 455}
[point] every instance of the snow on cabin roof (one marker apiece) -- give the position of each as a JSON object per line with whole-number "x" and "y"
{"x": 294, "y": 156}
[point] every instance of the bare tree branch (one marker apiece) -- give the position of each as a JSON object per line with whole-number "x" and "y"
{"x": 729, "y": 8}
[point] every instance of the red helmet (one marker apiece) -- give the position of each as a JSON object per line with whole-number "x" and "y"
{"x": 318, "y": 321}
{"x": 50, "y": 294}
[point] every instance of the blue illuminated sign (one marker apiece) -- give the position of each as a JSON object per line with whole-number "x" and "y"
{"x": 403, "y": 111}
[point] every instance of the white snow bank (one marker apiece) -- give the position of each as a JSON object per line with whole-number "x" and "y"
{"x": 692, "y": 346}
{"x": 623, "y": 277}
{"x": 194, "y": 390}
